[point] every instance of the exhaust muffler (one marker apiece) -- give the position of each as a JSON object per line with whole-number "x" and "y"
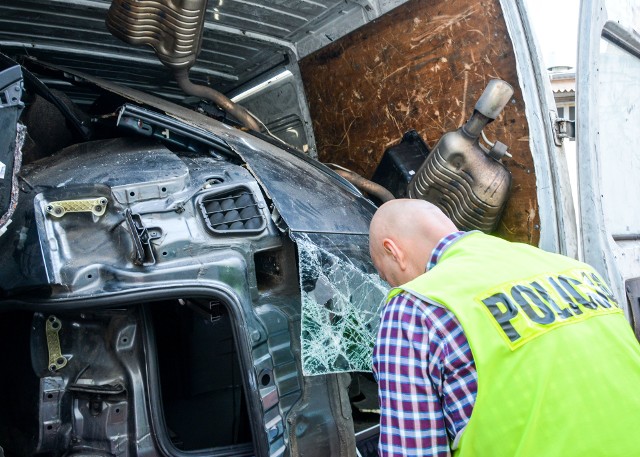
{"x": 462, "y": 177}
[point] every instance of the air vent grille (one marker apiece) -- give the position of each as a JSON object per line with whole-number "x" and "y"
{"x": 232, "y": 211}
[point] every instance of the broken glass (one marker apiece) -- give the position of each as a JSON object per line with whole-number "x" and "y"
{"x": 341, "y": 299}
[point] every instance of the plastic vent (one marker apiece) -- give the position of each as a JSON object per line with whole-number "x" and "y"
{"x": 232, "y": 211}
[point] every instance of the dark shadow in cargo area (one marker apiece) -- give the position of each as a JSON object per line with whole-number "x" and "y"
{"x": 201, "y": 384}
{"x": 365, "y": 410}
{"x": 18, "y": 386}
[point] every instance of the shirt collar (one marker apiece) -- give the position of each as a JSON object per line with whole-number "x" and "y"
{"x": 442, "y": 245}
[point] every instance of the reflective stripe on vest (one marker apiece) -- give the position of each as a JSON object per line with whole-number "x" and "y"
{"x": 558, "y": 365}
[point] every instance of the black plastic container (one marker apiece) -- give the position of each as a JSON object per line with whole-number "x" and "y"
{"x": 400, "y": 163}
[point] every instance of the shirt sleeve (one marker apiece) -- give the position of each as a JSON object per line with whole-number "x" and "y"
{"x": 426, "y": 378}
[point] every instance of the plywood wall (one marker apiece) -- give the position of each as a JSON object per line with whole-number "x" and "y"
{"x": 422, "y": 66}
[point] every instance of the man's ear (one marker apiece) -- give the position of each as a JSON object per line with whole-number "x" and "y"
{"x": 391, "y": 248}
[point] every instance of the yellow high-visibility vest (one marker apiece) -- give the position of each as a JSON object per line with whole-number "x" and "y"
{"x": 558, "y": 364}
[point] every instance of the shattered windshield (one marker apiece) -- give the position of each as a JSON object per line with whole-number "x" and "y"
{"x": 341, "y": 298}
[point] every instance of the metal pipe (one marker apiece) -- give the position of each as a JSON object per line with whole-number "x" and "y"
{"x": 363, "y": 184}
{"x": 237, "y": 111}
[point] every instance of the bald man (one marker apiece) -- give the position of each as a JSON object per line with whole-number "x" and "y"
{"x": 532, "y": 343}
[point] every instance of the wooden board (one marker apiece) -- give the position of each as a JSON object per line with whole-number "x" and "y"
{"x": 421, "y": 66}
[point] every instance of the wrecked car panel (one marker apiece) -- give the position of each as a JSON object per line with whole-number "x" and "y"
{"x": 299, "y": 199}
{"x": 174, "y": 225}
{"x": 201, "y": 274}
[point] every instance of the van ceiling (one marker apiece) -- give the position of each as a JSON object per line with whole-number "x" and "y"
{"x": 242, "y": 39}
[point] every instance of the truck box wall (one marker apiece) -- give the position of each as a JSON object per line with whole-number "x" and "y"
{"x": 421, "y": 66}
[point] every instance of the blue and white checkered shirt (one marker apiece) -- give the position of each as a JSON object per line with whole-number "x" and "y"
{"x": 427, "y": 379}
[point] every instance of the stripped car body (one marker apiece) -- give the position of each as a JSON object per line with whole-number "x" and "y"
{"x": 155, "y": 246}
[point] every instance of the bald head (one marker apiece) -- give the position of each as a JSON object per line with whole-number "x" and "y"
{"x": 402, "y": 235}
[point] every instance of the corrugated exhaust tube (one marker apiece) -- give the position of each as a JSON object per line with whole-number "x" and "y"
{"x": 173, "y": 28}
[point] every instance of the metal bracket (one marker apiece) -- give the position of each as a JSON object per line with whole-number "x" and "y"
{"x": 56, "y": 359}
{"x": 11, "y": 87}
{"x": 216, "y": 310}
{"x": 51, "y": 392}
{"x": 96, "y": 206}
{"x": 562, "y": 128}
{"x": 142, "y": 237}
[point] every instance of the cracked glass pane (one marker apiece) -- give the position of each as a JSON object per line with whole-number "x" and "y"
{"x": 341, "y": 298}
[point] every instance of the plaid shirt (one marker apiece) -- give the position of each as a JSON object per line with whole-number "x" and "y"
{"x": 427, "y": 379}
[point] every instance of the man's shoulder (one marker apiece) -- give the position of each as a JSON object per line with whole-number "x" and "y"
{"x": 406, "y": 303}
